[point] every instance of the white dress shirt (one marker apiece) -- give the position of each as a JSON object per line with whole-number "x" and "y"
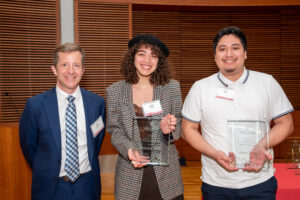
{"x": 84, "y": 164}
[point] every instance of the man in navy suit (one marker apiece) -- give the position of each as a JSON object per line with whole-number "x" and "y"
{"x": 44, "y": 131}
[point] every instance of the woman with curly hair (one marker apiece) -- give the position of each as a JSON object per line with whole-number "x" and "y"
{"x": 147, "y": 103}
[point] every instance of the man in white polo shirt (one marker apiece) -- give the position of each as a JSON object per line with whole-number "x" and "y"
{"x": 235, "y": 93}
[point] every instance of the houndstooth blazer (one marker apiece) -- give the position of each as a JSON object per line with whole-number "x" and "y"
{"x": 124, "y": 131}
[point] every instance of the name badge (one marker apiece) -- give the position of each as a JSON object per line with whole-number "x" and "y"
{"x": 151, "y": 108}
{"x": 97, "y": 126}
{"x": 225, "y": 93}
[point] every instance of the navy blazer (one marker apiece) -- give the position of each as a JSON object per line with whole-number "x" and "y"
{"x": 40, "y": 140}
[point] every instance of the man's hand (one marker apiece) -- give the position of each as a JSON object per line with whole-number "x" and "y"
{"x": 227, "y": 162}
{"x": 258, "y": 156}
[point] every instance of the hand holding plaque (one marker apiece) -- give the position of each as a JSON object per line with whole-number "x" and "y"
{"x": 244, "y": 137}
{"x": 168, "y": 123}
{"x": 137, "y": 159}
{"x": 225, "y": 161}
{"x": 258, "y": 156}
{"x": 154, "y": 149}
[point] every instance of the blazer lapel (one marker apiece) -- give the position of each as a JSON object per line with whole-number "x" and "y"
{"x": 88, "y": 109}
{"x": 127, "y": 100}
{"x": 51, "y": 106}
{"x": 158, "y": 95}
{"x": 128, "y": 112}
{"x": 127, "y": 94}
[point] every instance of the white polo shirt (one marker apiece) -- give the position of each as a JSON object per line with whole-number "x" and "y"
{"x": 255, "y": 96}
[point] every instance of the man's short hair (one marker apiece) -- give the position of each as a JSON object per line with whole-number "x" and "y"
{"x": 231, "y": 30}
{"x": 66, "y": 48}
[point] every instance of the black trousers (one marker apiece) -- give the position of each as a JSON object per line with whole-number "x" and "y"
{"x": 262, "y": 191}
{"x": 149, "y": 189}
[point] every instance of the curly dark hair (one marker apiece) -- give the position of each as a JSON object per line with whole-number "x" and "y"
{"x": 161, "y": 76}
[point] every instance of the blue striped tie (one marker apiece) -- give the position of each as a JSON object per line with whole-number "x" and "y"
{"x": 72, "y": 160}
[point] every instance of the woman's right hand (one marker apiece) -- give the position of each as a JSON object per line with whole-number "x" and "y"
{"x": 137, "y": 160}
{"x": 168, "y": 123}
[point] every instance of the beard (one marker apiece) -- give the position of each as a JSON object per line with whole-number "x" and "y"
{"x": 229, "y": 70}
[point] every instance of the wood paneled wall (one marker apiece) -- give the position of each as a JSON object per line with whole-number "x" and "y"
{"x": 271, "y": 49}
{"x": 29, "y": 32}
{"x": 290, "y": 59}
{"x": 273, "y": 41}
{"x": 104, "y": 27}
{"x": 218, "y": 2}
{"x": 28, "y": 36}
{"x": 208, "y": 3}
{"x": 103, "y": 32}
{"x": 15, "y": 173}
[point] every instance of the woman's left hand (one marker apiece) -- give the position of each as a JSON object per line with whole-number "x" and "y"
{"x": 137, "y": 160}
{"x": 168, "y": 123}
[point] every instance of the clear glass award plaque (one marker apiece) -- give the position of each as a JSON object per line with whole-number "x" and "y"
{"x": 293, "y": 155}
{"x": 153, "y": 144}
{"x": 297, "y": 163}
{"x": 243, "y": 136}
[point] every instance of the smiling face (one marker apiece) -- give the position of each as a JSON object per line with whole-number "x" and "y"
{"x": 145, "y": 62}
{"x": 230, "y": 57}
{"x": 68, "y": 71}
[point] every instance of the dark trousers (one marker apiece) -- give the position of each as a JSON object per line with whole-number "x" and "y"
{"x": 262, "y": 191}
{"x": 149, "y": 189}
{"x": 82, "y": 189}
